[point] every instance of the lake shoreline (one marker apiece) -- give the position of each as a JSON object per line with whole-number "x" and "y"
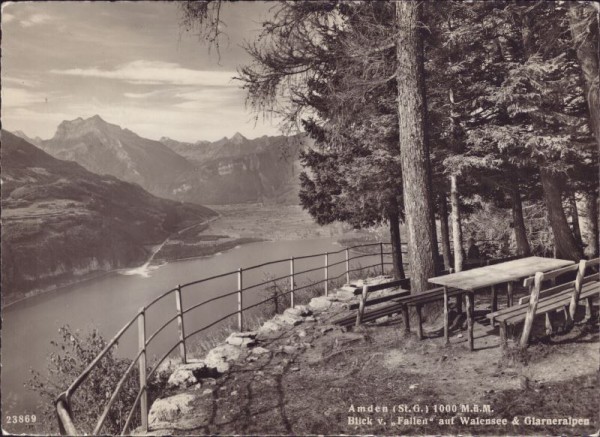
{"x": 102, "y": 273}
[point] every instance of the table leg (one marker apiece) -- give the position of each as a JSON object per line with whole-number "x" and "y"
{"x": 446, "y": 336}
{"x": 494, "y": 299}
{"x": 459, "y": 308}
{"x": 470, "y": 302}
{"x": 509, "y": 294}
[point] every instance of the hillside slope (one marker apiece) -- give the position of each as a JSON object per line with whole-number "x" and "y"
{"x": 237, "y": 169}
{"x": 61, "y": 222}
{"x": 106, "y": 148}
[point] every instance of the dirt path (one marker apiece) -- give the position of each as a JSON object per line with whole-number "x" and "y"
{"x": 318, "y": 379}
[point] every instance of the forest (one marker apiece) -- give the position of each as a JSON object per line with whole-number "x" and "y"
{"x": 425, "y": 111}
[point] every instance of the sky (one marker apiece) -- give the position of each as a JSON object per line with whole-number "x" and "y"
{"x": 132, "y": 63}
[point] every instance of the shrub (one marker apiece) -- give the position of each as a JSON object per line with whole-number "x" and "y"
{"x": 73, "y": 352}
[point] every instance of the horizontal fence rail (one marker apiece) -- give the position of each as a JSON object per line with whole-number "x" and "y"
{"x": 64, "y": 401}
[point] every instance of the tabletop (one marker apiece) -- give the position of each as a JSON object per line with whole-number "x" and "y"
{"x": 500, "y": 273}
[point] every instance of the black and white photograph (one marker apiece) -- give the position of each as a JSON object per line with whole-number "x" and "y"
{"x": 312, "y": 217}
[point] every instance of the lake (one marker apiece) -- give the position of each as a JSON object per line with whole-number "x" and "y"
{"x": 109, "y": 302}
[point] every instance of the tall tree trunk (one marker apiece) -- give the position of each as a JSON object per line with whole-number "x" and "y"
{"x": 414, "y": 150}
{"x": 584, "y": 31}
{"x": 575, "y": 219}
{"x": 564, "y": 242}
{"x": 394, "y": 222}
{"x": 523, "y": 248}
{"x": 457, "y": 237}
{"x": 591, "y": 211}
{"x": 445, "y": 231}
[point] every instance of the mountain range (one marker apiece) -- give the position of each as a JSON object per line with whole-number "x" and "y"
{"x": 61, "y": 221}
{"x": 227, "y": 171}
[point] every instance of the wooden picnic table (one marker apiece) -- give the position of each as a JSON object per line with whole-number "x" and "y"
{"x": 490, "y": 276}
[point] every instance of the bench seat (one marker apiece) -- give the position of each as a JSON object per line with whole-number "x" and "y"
{"x": 517, "y": 313}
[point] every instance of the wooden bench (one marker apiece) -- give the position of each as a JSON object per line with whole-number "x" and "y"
{"x": 564, "y": 297}
{"x": 403, "y": 284}
{"x": 398, "y": 304}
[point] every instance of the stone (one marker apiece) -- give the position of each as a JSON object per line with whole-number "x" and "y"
{"x": 241, "y": 339}
{"x": 234, "y": 393}
{"x": 288, "y": 319}
{"x": 270, "y": 326}
{"x": 289, "y": 349}
{"x": 207, "y": 391}
{"x": 320, "y": 303}
{"x": 295, "y": 369}
{"x": 186, "y": 375}
{"x": 299, "y": 311}
{"x": 344, "y": 295}
{"x": 302, "y": 333}
{"x": 218, "y": 358}
{"x": 310, "y": 319}
{"x": 260, "y": 351}
{"x": 170, "y": 409}
{"x": 166, "y": 368}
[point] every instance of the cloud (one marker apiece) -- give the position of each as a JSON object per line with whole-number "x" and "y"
{"x": 20, "y": 82}
{"x": 36, "y": 19}
{"x": 7, "y": 18}
{"x": 156, "y": 73}
{"x": 18, "y": 97}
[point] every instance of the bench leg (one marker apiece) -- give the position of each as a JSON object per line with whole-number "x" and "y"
{"x": 406, "y": 318}
{"x": 589, "y": 308}
{"x": 446, "y": 328}
{"x": 494, "y": 299}
{"x": 420, "y": 322}
{"x": 549, "y": 327}
{"x": 569, "y": 321}
{"x": 503, "y": 339}
{"x": 469, "y": 299}
{"x": 509, "y": 294}
{"x": 459, "y": 306}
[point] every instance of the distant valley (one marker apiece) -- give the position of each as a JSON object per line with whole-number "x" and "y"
{"x": 61, "y": 222}
{"x": 227, "y": 171}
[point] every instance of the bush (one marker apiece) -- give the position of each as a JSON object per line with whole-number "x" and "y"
{"x": 73, "y": 352}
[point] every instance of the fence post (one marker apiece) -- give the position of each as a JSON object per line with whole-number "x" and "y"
{"x": 142, "y": 368}
{"x": 347, "y": 266}
{"x": 240, "y": 301}
{"x": 292, "y": 282}
{"x": 326, "y": 273}
{"x": 182, "y": 349}
{"x": 381, "y": 251}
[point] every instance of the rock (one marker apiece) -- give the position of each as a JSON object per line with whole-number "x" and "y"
{"x": 413, "y": 386}
{"x": 349, "y": 288}
{"x": 234, "y": 393}
{"x": 295, "y": 369}
{"x": 260, "y": 351}
{"x": 170, "y": 409}
{"x": 310, "y": 319}
{"x": 344, "y": 295}
{"x": 289, "y": 349}
{"x": 270, "y": 326}
{"x": 166, "y": 368}
{"x": 242, "y": 339}
{"x": 186, "y": 375}
{"x": 320, "y": 303}
{"x": 207, "y": 391}
{"x": 218, "y": 357}
{"x": 382, "y": 319}
{"x": 288, "y": 319}
{"x": 252, "y": 358}
{"x": 302, "y": 333}
{"x": 299, "y": 311}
